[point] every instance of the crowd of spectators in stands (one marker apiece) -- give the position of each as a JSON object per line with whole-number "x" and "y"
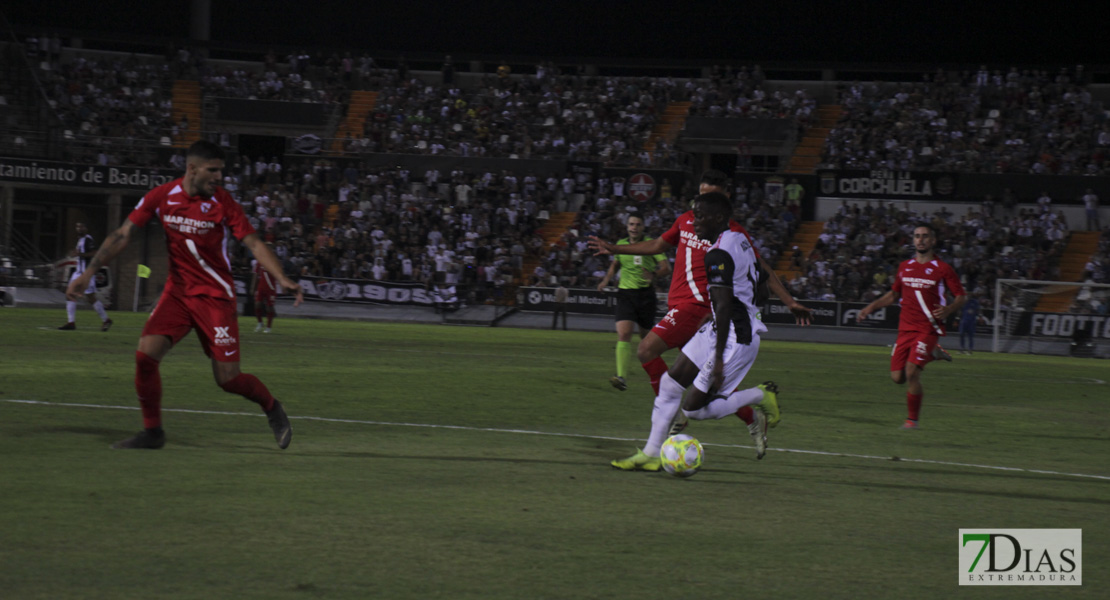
{"x": 295, "y": 79}
{"x": 859, "y": 250}
{"x": 1097, "y": 270}
{"x": 108, "y": 107}
{"x": 479, "y": 231}
{"x": 987, "y": 122}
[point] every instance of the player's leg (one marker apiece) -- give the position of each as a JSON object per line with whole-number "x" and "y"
{"x": 270, "y": 314}
{"x": 915, "y": 393}
{"x": 98, "y": 306}
{"x": 650, "y": 354}
{"x": 921, "y": 355}
{"x": 625, "y": 328}
{"x": 667, "y": 404}
{"x": 259, "y": 308}
{"x": 218, "y": 329}
{"x": 167, "y": 324}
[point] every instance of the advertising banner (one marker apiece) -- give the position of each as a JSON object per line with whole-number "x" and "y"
{"x": 887, "y": 184}
{"x": 585, "y": 301}
{"x": 48, "y": 172}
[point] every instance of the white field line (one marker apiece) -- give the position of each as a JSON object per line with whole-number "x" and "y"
{"x": 555, "y": 434}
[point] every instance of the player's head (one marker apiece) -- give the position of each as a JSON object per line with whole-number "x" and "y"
{"x": 81, "y": 229}
{"x": 711, "y": 215}
{"x": 204, "y": 168}
{"x": 635, "y": 226}
{"x": 924, "y": 239}
{"x": 713, "y": 181}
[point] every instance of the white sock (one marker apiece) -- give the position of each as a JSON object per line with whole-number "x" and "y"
{"x": 99, "y": 308}
{"x": 667, "y": 404}
{"x": 720, "y": 408}
{"x": 71, "y": 311}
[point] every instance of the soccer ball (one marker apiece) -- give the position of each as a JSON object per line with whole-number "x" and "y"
{"x": 681, "y": 455}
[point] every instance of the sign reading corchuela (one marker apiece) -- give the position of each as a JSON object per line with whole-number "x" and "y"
{"x": 47, "y": 172}
{"x": 1021, "y": 557}
{"x": 887, "y": 184}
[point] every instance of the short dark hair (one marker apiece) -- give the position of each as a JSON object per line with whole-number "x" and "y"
{"x": 715, "y": 178}
{"x": 930, "y": 227}
{"x": 205, "y": 150}
{"x": 715, "y": 202}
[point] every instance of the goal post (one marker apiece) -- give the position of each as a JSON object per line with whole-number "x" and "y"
{"x": 1051, "y": 317}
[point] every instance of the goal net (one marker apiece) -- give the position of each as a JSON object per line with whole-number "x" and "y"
{"x": 1051, "y": 317}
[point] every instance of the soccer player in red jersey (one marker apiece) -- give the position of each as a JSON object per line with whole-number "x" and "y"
{"x": 265, "y": 290}
{"x": 688, "y": 298}
{"x": 198, "y": 218}
{"x": 922, "y": 283}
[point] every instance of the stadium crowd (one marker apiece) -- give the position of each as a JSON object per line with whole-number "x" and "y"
{"x": 859, "y": 250}
{"x": 987, "y": 122}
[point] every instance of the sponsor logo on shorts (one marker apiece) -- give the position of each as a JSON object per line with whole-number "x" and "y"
{"x": 223, "y": 336}
{"x": 922, "y": 349}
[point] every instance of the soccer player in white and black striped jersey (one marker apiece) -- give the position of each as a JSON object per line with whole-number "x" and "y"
{"x": 719, "y": 355}
{"x": 86, "y": 248}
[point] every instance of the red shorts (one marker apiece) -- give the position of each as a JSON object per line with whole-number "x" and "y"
{"x": 216, "y": 321}
{"x": 680, "y": 324}
{"x": 266, "y": 298}
{"x": 912, "y": 346}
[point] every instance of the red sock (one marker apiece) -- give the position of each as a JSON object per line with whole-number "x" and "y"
{"x": 655, "y": 369}
{"x": 148, "y": 386}
{"x": 269, "y": 321}
{"x": 259, "y": 317}
{"x": 913, "y": 405}
{"x": 251, "y": 388}
{"x": 745, "y": 414}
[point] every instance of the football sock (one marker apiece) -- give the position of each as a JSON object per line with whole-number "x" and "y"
{"x": 913, "y": 405}
{"x": 249, "y": 387}
{"x": 71, "y": 311}
{"x": 259, "y": 317}
{"x": 624, "y": 357}
{"x": 720, "y": 408}
{"x": 745, "y": 414}
{"x": 667, "y": 405}
{"x": 655, "y": 368}
{"x": 270, "y": 321}
{"x": 99, "y": 308}
{"x": 148, "y": 386}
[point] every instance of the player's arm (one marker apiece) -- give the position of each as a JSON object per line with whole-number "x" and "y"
{"x": 655, "y": 246}
{"x": 941, "y": 313}
{"x": 719, "y": 269}
{"x": 882, "y": 301}
{"x": 270, "y": 262}
{"x": 113, "y": 245}
{"x": 801, "y": 313}
{"x": 613, "y": 266}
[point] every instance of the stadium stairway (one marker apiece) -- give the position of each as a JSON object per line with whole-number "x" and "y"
{"x": 805, "y": 238}
{"x": 362, "y": 102}
{"x": 187, "y": 103}
{"x": 808, "y": 152}
{"x": 669, "y": 125}
{"x": 1079, "y": 249}
{"x": 552, "y": 232}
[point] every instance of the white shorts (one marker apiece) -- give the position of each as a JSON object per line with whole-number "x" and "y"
{"x": 92, "y": 281}
{"x": 739, "y": 358}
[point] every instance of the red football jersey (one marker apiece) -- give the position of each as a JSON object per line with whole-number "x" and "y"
{"x": 198, "y": 230}
{"x": 922, "y": 287}
{"x": 266, "y": 284}
{"x": 688, "y": 279}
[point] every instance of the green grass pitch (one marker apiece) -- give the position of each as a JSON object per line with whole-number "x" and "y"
{"x": 452, "y": 462}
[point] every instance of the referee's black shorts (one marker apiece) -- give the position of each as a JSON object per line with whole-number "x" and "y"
{"x": 637, "y": 305}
